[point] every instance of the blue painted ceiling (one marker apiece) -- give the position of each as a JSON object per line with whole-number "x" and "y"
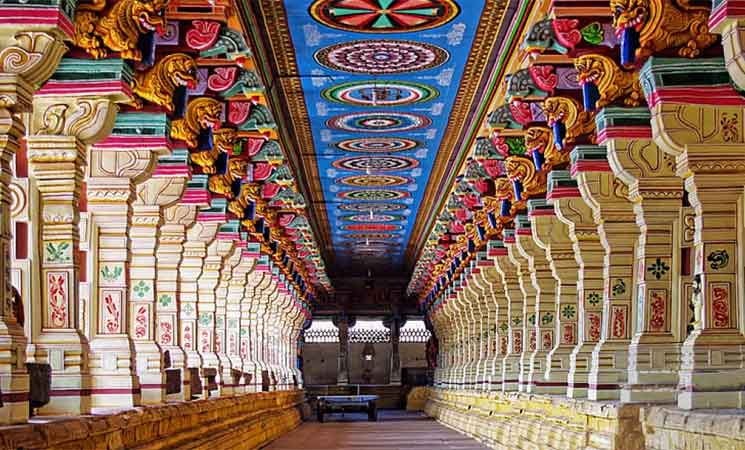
{"x": 379, "y": 79}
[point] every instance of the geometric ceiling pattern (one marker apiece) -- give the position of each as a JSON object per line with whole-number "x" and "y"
{"x": 379, "y": 79}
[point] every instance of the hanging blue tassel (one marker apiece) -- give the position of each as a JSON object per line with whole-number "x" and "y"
{"x": 560, "y": 132}
{"x": 629, "y": 45}
{"x": 517, "y": 186}
{"x": 179, "y": 102}
{"x": 537, "y": 160}
{"x": 504, "y": 211}
{"x": 590, "y": 96}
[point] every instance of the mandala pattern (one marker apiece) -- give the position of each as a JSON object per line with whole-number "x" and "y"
{"x": 384, "y": 16}
{"x": 379, "y": 93}
{"x": 373, "y": 194}
{"x": 368, "y": 218}
{"x": 378, "y": 122}
{"x": 374, "y": 227}
{"x": 374, "y": 207}
{"x": 364, "y": 236}
{"x": 375, "y": 57}
{"x": 376, "y": 163}
{"x": 374, "y": 180}
{"x": 377, "y": 145}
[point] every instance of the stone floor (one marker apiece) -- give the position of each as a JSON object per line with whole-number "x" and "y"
{"x": 395, "y": 430}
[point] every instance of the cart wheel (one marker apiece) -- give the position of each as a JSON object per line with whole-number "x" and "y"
{"x": 372, "y": 412}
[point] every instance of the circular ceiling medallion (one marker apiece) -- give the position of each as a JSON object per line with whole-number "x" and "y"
{"x": 374, "y": 207}
{"x": 371, "y": 244}
{"x": 373, "y": 194}
{"x": 377, "y": 145}
{"x": 378, "y": 122}
{"x": 372, "y": 218}
{"x": 381, "y": 56}
{"x": 376, "y": 163}
{"x": 374, "y": 180}
{"x": 375, "y": 227}
{"x": 365, "y": 236}
{"x": 384, "y": 16}
{"x": 380, "y": 93}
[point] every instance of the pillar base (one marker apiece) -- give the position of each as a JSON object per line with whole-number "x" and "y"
{"x": 66, "y": 351}
{"x": 511, "y": 373}
{"x": 579, "y": 366}
{"x": 609, "y": 370}
{"x": 113, "y": 384}
{"x": 150, "y": 372}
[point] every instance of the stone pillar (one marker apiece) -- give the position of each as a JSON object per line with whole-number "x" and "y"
{"x": 617, "y": 229}
{"x": 543, "y": 306}
{"x": 248, "y": 340}
{"x": 177, "y": 219}
{"x": 727, "y": 19}
{"x": 570, "y": 209}
{"x": 498, "y": 320}
{"x": 515, "y": 315}
{"x": 153, "y": 195}
{"x": 395, "y": 323}
{"x": 660, "y": 308}
{"x": 552, "y": 235}
{"x": 199, "y": 237}
{"x": 529, "y": 294}
{"x": 235, "y": 300}
{"x": 227, "y": 386}
{"x": 27, "y": 59}
{"x": 703, "y": 130}
{"x": 343, "y": 322}
{"x": 62, "y": 126}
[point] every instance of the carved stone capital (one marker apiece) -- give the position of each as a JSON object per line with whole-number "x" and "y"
{"x": 88, "y": 119}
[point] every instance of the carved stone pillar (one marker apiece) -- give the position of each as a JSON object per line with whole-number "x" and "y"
{"x": 27, "y": 59}
{"x": 230, "y": 264}
{"x": 552, "y": 235}
{"x": 703, "y": 130}
{"x": 486, "y": 280}
{"x": 114, "y": 170}
{"x": 343, "y": 323}
{"x": 199, "y": 237}
{"x": 728, "y": 20}
{"x": 65, "y": 121}
{"x": 248, "y": 342}
{"x": 660, "y": 308}
{"x": 255, "y": 339}
{"x": 529, "y": 294}
{"x": 515, "y": 315}
{"x": 543, "y": 306}
{"x": 177, "y": 220}
{"x": 617, "y": 229}
{"x": 589, "y": 254}
{"x": 235, "y": 300}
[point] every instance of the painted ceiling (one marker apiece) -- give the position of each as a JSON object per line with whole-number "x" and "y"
{"x": 379, "y": 80}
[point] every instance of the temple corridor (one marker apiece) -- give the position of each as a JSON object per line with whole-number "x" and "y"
{"x": 517, "y": 224}
{"x": 394, "y": 431}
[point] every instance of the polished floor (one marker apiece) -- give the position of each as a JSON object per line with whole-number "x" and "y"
{"x": 395, "y": 430}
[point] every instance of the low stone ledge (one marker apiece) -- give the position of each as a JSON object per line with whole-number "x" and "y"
{"x": 244, "y": 421}
{"x": 675, "y": 429}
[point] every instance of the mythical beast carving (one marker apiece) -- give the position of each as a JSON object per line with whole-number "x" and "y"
{"x": 603, "y": 82}
{"x": 563, "y": 114}
{"x": 650, "y": 26}
{"x": 202, "y": 113}
{"x": 120, "y": 28}
{"x": 159, "y": 83}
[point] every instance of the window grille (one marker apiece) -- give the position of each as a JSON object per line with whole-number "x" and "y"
{"x": 322, "y": 331}
{"x": 372, "y": 331}
{"x": 414, "y": 331}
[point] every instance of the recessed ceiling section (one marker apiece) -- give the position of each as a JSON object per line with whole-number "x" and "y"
{"x": 379, "y": 79}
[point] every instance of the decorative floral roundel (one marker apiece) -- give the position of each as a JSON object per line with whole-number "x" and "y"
{"x": 374, "y": 180}
{"x": 367, "y": 218}
{"x": 374, "y": 207}
{"x": 375, "y": 227}
{"x": 384, "y": 16}
{"x": 373, "y": 194}
{"x": 381, "y": 56}
{"x": 377, "y": 145}
{"x": 380, "y": 93}
{"x": 378, "y": 122}
{"x": 376, "y": 163}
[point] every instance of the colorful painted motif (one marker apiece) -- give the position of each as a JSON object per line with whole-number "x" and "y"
{"x": 165, "y": 331}
{"x": 374, "y": 180}
{"x": 188, "y": 336}
{"x": 377, "y": 145}
{"x": 376, "y": 163}
{"x": 657, "y": 310}
{"x": 593, "y": 326}
{"x": 57, "y": 297}
{"x": 111, "y": 312}
{"x": 720, "y": 305}
{"x": 372, "y": 207}
{"x": 378, "y": 57}
{"x": 380, "y": 93}
{"x": 142, "y": 314}
{"x": 378, "y": 122}
{"x": 373, "y": 194}
{"x": 568, "y": 334}
{"x": 384, "y": 16}
{"x": 371, "y": 218}
{"x": 618, "y": 322}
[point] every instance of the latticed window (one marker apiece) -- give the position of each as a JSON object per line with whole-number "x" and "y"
{"x": 414, "y": 331}
{"x": 372, "y": 331}
{"x": 322, "y": 331}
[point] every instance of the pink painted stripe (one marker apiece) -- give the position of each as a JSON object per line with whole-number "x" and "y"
{"x": 172, "y": 171}
{"x": 37, "y": 16}
{"x": 590, "y": 166}
{"x": 486, "y": 263}
{"x": 726, "y": 10}
{"x": 225, "y": 236}
{"x": 96, "y": 87}
{"x": 134, "y": 142}
{"x": 563, "y": 192}
{"x": 523, "y": 232}
{"x": 195, "y": 197}
{"x": 250, "y": 254}
{"x": 541, "y": 212}
{"x": 262, "y": 267}
{"x": 212, "y": 217}
{"x": 711, "y": 96}
{"x": 639, "y": 132}
{"x": 497, "y": 252}
{"x": 509, "y": 240}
